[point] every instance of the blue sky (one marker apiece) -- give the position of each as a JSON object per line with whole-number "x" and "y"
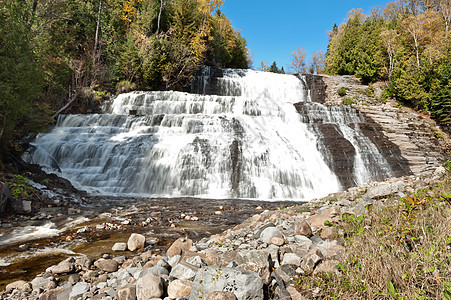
{"x": 274, "y": 29}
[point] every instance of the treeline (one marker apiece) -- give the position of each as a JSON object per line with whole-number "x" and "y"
{"x": 58, "y": 55}
{"x": 407, "y": 44}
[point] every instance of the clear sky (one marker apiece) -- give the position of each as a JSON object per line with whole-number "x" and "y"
{"x": 274, "y": 29}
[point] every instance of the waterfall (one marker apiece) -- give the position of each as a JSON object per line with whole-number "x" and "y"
{"x": 249, "y": 140}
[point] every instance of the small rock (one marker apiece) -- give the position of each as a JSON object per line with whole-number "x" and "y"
{"x": 179, "y": 288}
{"x": 277, "y": 240}
{"x": 127, "y": 292}
{"x": 73, "y": 279}
{"x": 221, "y": 296}
{"x": 136, "y": 241}
{"x": 218, "y": 213}
{"x": 107, "y": 265}
{"x": 119, "y": 247}
{"x": 294, "y": 294}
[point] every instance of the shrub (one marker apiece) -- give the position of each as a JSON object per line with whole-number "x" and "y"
{"x": 347, "y": 101}
{"x": 342, "y": 92}
{"x": 125, "y": 86}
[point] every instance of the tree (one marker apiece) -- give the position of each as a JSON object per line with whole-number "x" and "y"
{"x": 274, "y": 68}
{"x": 298, "y": 64}
{"x": 317, "y": 62}
{"x": 263, "y": 67}
{"x": 20, "y": 77}
{"x": 415, "y": 26}
{"x": 389, "y": 39}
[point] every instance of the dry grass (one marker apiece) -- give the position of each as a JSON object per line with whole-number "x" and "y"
{"x": 400, "y": 251}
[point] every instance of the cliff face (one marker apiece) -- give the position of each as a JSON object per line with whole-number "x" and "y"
{"x": 409, "y": 139}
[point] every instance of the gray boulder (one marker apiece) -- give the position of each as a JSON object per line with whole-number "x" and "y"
{"x": 270, "y": 232}
{"x": 79, "y": 289}
{"x": 183, "y": 271}
{"x": 243, "y": 284}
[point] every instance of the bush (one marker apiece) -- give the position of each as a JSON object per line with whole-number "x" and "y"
{"x": 125, "y": 86}
{"x": 347, "y": 101}
{"x": 342, "y": 92}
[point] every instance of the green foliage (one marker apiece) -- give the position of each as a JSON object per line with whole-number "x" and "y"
{"x": 348, "y": 101}
{"x": 342, "y": 92}
{"x": 411, "y": 48}
{"x": 21, "y": 188}
{"x": 49, "y": 55}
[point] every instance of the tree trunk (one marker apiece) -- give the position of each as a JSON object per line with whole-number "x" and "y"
{"x": 96, "y": 41}
{"x": 159, "y": 16}
{"x": 3, "y": 126}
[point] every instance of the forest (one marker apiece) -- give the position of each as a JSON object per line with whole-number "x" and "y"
{"x": 406, "y": 44}
{"x": 67, "y": 55}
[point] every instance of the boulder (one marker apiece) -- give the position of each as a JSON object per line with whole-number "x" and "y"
{"x": 127, "y": 292}
{"x": 286, "y": 273}
{"x": 5, "y": 195}
{"x": 179, "y": 288}
{"x": 15, "y": 285}
{"x": 183, "y": 271}
{"x": 136, "y": 241}
{"x": 148, "y": 287}
{"x": 107, "y": 265}
{"x": 301, "y": 227}
{"x": 79, "y": 289}
{"x": 291, "y": 259}
{"x": 56, "y": 294}
{"x": 311, "y": 260}
{"x": 267, "y": 234}
{"x": 329, "y": 233}
{"x": 179, "y": 246}
{"x": 243, "y": 284}
{"x": 294, "y": 294}
{"x": 221, "y": 296}
{"x": 21, "y": 206}
{"x": 384, "y": 190}
{"x": 327, "y": 266}
{"x": 40, "y": 282}
{"x": 119, "y": 247}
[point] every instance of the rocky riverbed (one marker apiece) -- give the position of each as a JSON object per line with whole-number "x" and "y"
{"x": 260, "y": 258}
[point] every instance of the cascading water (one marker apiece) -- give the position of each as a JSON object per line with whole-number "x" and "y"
{"x": 249, "y": 142}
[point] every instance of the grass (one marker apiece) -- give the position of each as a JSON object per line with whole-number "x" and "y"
{"x": 399, "y": 251}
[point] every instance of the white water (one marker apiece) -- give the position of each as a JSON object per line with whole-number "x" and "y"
{"x": 249, "y": 144}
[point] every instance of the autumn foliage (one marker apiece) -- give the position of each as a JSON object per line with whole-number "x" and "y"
{"x": 407, "y": 44}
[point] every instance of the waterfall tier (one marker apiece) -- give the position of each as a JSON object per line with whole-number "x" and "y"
{"x": 259, "y": 137}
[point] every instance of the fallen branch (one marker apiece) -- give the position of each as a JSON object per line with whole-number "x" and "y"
{"x": 74, "y": 96}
